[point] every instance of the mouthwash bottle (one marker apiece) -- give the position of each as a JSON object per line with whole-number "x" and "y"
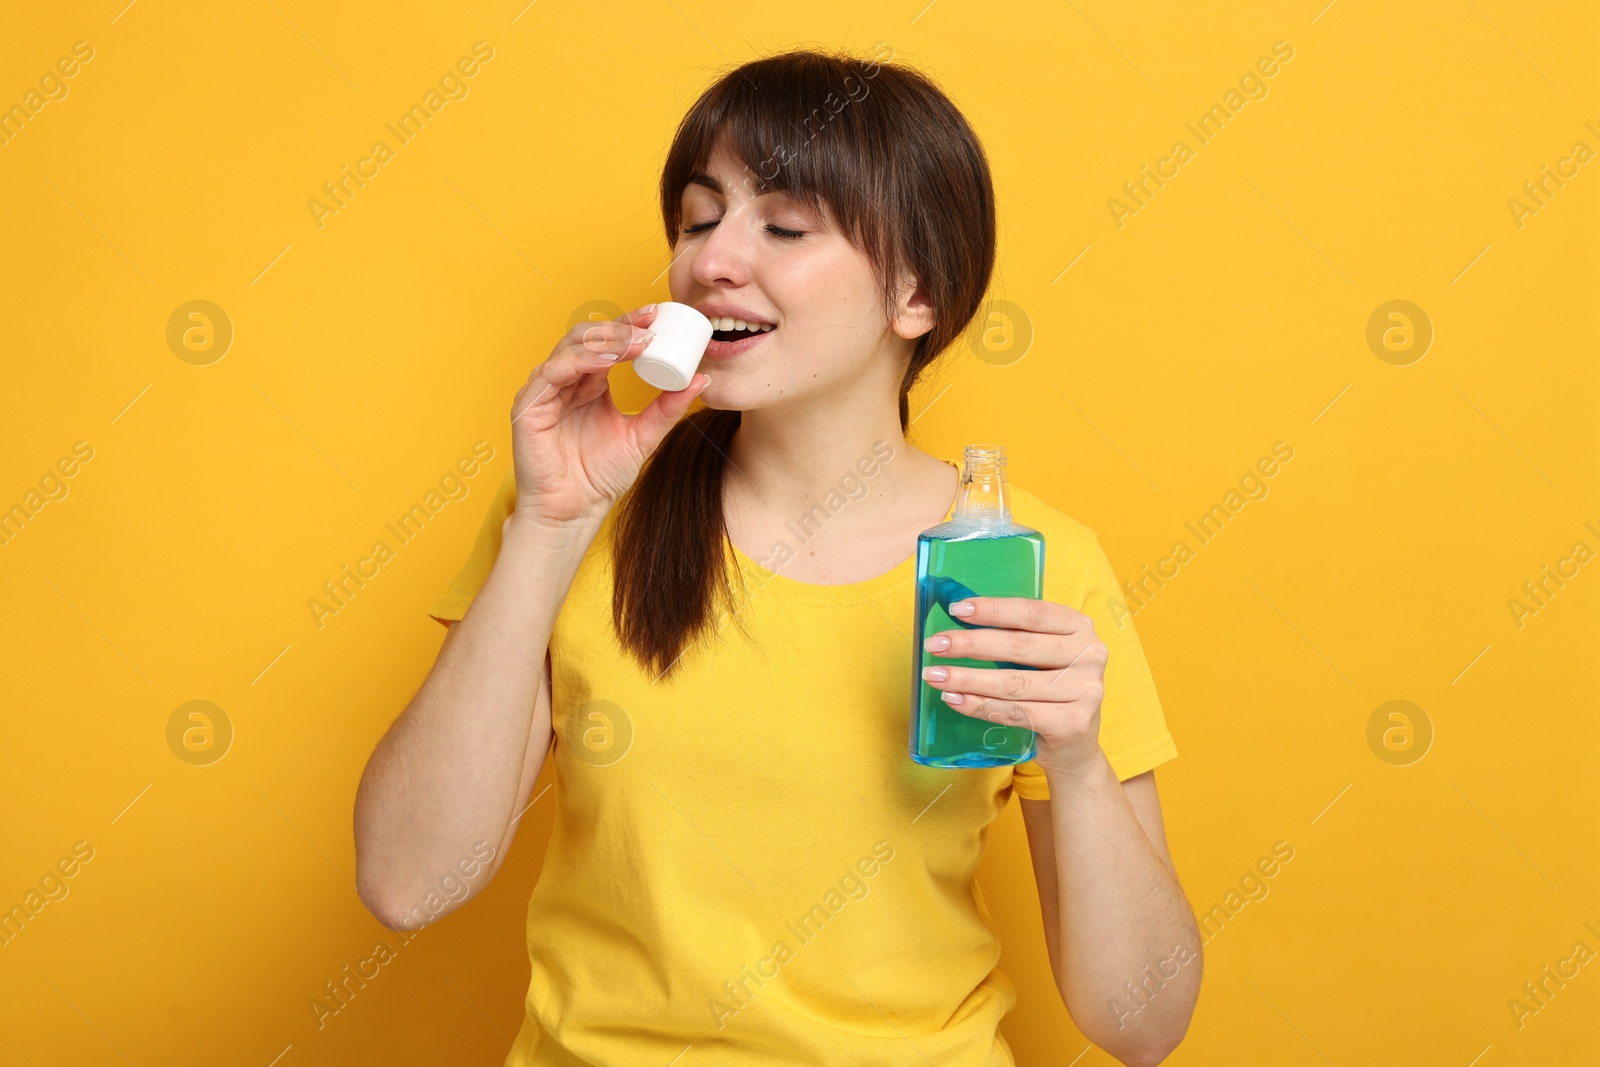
{"x": 979, "y": 552}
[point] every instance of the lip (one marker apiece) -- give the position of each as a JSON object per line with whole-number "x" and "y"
{"x": 718, "y": 310}
{"x": 728, "y": 349}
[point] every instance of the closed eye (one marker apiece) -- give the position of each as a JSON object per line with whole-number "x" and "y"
{"x": 772, "y": 228}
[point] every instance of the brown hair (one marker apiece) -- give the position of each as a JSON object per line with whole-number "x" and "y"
{"x": 903, "y": 176}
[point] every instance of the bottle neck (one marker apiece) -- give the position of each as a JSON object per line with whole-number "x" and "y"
{"x": 983, "y": 499}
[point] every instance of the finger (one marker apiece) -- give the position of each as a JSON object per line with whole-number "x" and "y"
{"x": 563, "y": 379}
{"x": 1005, "y": 684}
{"x": 1045, "y": 634}
{"x": 1019, "y": 613}
{"x": 1019, "y": 648}
{"x": 1025, "y": 714}
{"x": 642, "y": 316}
{"x": 588, "y": 388}
{"x": 1057, "y": 724}
{"x": 662, "y": 413}
{"x": 608, "y": 338}
{"x": 590, "y": 349}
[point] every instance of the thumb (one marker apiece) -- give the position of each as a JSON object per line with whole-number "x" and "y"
{"x": 662, "y": 413}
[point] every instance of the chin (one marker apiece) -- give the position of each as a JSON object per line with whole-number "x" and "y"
{"x": 712, "y": 397}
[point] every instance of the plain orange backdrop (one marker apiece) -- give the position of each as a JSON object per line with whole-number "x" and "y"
{"x": 1136, "y": 365}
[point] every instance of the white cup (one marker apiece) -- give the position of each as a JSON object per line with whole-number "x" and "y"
{"x": 672, "y": 357}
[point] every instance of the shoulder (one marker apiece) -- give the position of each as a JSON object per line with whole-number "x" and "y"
{"x": 1058, "y": 527}
{"x": 1072, "y": 552}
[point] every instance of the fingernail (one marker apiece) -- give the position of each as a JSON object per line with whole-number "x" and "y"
{"x": 937, "y": 643}
{"x": 935, "y": 674}
{"x": 609, "y": 357}
{"x": 647, "y": 309}
{"x": 953, "y": 698}
{"x": 641, "y": 334}
{"x": 961, "y": 608}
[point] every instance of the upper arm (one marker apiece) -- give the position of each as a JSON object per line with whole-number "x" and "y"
{"x": 1141, "y": 793}
{"x": 532, "y": 757}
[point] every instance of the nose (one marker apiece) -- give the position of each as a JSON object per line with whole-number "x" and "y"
{"x": 724, "y": 256}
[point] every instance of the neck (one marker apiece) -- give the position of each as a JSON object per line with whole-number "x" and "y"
{"x": 791, "y": 459}
{"x": 787, "y": 457}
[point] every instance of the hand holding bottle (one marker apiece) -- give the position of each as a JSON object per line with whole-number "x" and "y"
{"x": 981, "y": 547}
{"x": 575, "y": 453}
{"x": 1058, "y": 698}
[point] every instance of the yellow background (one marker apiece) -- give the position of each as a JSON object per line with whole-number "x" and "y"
{"x": 1229, "y": 313}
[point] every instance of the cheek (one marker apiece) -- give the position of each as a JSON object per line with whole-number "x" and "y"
{"x": 679, "y": 282}
{"x": 813, "y": 360}
{"x": 823, "y": 303}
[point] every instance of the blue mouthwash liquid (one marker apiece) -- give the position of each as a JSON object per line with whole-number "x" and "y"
{"x": 979, "y": 552}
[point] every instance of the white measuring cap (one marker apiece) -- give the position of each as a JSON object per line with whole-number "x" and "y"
{"x": 672, "y": 357}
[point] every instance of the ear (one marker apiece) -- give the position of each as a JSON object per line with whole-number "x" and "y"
{"x": 914, "y": 315}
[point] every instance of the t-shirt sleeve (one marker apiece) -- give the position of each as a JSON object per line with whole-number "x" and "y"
{"x": 458, "y": 592}
{"x": 1133, "y": 729}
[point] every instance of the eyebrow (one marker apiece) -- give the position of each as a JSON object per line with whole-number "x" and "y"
{"x": 700, "y": 177}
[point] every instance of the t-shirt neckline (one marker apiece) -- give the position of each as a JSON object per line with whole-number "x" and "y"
{"x": 786, "y": 587}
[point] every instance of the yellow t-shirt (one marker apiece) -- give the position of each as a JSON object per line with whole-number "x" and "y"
{"x": 746, "y": 863}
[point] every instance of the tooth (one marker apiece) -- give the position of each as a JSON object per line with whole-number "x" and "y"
{"x": 765, "y": 326}
{"x": 725, "y": 323}
{"x": 740, "y": 324}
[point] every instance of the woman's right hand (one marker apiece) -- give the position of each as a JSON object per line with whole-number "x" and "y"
{"x": 574, "y": 451}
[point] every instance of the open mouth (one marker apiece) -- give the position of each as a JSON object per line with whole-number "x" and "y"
{"x": 732, "y": 336}
{"x": 729, "y": 329}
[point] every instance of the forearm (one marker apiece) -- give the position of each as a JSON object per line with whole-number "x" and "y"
{"x": 1131, "y": 965}
{"x": 446, "y": 773}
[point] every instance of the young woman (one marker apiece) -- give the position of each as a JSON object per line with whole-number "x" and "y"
{"x": 702, "y": 619}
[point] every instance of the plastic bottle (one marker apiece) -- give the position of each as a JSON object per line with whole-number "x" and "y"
{"x": 981, "y": 551}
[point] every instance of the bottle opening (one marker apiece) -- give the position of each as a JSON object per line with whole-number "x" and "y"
{"x": 983, "y": 500}
{"x": 985, "y": 453}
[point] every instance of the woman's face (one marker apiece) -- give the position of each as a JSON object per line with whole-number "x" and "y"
{"x": 766, "y": 258}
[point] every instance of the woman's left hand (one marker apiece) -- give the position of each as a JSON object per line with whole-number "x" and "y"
{"x": 1060, "y": 701}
